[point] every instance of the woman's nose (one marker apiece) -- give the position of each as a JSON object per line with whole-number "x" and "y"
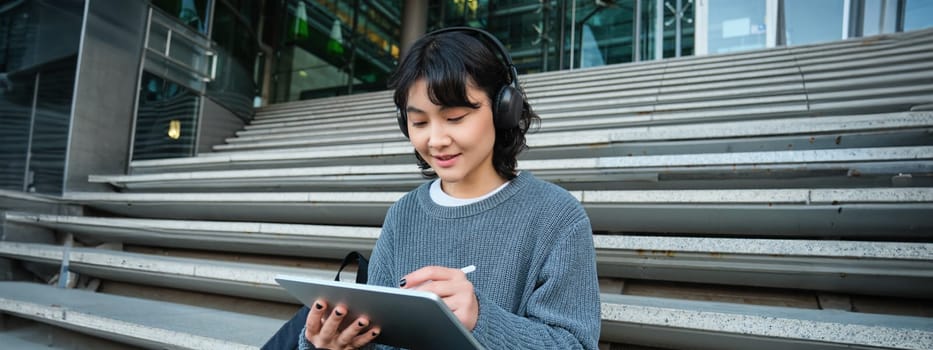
{"x": 439, "y": 136}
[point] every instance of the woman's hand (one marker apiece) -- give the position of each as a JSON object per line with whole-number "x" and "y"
{"x": 325, "y": 333}
{"x": 452, "y": 286}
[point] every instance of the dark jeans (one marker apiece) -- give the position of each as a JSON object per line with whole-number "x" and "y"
{"x": 286, "y": 338}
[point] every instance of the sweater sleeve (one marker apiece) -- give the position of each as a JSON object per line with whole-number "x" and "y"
{"x": 563, "y": 312}
{"x": 380, "y": 271}
{"x": 303, "y": 343}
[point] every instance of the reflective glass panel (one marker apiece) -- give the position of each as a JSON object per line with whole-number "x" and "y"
{"x": 329, "y": 48}
{"x": 605, "y": 36}
{"x": 166, "y": 120}
{"x": 38, "y": 56}
{"x": 158, "y": 36}
{"x": 809, "y": 21}
{"x": 736, "y": 25}
{"x": 880, "y": 17}
{"x": 918, "y": 14}
{"x": 16, "y": 93}
{"x": 188, "y": 54}
{"x": 648, "y": 30}
{"x": 193, "y": 13}
{"x": 50, "y": 129}
{"x": 682, "y": 11}
{"x": 233, "y": 86}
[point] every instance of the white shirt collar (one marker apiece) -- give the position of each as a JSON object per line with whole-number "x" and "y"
{"x": 444, "y": 199}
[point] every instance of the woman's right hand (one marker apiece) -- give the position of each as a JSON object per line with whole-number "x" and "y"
{"x": 323, "y": 331}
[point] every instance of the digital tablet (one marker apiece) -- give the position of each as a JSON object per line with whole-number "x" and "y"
{"x": 407, "y": 318}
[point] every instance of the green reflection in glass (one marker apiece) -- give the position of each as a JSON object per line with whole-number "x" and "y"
{"x": 193, "y": 13}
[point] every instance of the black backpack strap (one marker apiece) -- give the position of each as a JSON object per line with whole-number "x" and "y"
{"x": 287, "y": 336}
{"x": 362, "y": 272}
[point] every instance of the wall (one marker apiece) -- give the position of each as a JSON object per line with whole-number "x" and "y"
{"x": 105, "y": 92}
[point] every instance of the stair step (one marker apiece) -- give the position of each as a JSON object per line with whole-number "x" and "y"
{"x": 246, "y": 280}
{"x": 850, "y": 267}
{"x": 638, "y": 140}
{"x": 769, "y": 168}
{"x": 319, "y": 241}
{"x": 630, "y": 319}
{"x": 871, "y": 268}
{"x": 886, "y": 213}
{"x": 139, "y": 322}
{"x": 856, "y": 61}
{"x": 711, "y": 325}
{"x": 22, "y": 334}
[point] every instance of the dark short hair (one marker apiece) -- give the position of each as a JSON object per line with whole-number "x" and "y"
{"x": 448, "y": 62}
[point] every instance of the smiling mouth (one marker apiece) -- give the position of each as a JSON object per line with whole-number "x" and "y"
{"x": 446, "y": 161}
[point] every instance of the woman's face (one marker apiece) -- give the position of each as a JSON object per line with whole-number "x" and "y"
{"x": 457, "y": 142}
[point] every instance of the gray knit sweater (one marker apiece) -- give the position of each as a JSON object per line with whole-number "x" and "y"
{"x": 532, "y": 245}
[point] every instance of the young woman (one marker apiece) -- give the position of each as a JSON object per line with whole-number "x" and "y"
{"x": 535, "y": 284}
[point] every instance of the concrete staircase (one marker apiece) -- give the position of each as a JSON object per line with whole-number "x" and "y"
{"x": 771, "y": 200}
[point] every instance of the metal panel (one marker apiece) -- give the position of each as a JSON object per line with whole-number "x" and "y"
{"x": 101, "y": 123}
{"x": 216, "y": 124}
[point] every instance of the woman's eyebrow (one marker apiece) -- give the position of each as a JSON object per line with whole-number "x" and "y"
{"x": 410, "y": 109}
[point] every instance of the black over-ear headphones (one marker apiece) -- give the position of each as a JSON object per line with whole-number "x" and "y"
{"x": 508, "y": 105}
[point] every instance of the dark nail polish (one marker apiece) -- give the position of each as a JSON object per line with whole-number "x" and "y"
{"x": 318, "y": 306}
{"x": 338, "y": 313}
{"x": 360, "y": 323}
{"x": 375, "y": 333}
{"x": 402, "y": 282}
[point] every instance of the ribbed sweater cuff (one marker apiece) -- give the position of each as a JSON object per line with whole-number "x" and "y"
{"x": 497, "y": 328}
{"x": 303, "y": 343}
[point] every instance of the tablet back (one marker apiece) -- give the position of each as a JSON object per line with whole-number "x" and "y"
{"x": 407, "y": 318}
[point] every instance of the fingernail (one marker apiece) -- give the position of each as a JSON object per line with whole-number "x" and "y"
{"x": 360, "y": 323}
{"x": 375, "y": 333}
{"x": 318, "y": 306}
{"x": 402, "y": 282}
{"x": 338, "y": 313}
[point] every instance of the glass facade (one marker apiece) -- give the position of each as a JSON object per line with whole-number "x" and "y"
{"x": 196, "y": 49}
{"x": 736, "y": 25}
{"x": 166, "y": 119}
{"x": 880, "y": 17}
{"x": 918, "y": 14}
{"x": 320, "y": 54}
{"x": 193, "y": 13}
{"x": 235, "y": 81}
{"x": 38, "y": 60}
{"x": 329, "y": 48}
{"x": 50, "y": 126}
{"x": 809, "y": 22}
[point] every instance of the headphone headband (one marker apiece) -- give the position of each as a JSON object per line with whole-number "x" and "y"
{"x": 513, "y": 72}
{"x": 508, "y": 105}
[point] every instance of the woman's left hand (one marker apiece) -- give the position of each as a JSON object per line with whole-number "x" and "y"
{"x": 452, "y": 286}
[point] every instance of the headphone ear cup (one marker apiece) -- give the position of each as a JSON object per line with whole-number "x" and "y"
{"x": 509, "y": 105}
{"x": 402, "y": 122}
